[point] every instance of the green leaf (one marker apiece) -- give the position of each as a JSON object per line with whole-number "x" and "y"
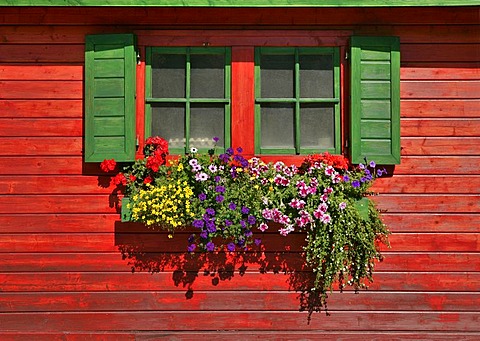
{"x": 362, "y": 208}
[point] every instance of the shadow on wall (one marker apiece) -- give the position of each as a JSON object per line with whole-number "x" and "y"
{"x": 147, "y": 250}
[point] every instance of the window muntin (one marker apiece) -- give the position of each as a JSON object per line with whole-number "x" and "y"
{"x": 297, "y": 100}
{"x": 188, "y": 96}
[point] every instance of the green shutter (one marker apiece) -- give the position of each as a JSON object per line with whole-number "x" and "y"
{"x": 110, "y": 63}
{"x": 375, "y": 100}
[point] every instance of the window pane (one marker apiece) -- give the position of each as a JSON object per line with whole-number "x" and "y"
{"x": 206, "y": 122}
{"x": 168, "y": 75}
{"x": 316, "y": 76}
{"x": 277, "y": 121}
{"x": 317, "y": 126}
{"x": 277, "y": 76}
{"x": 168, "y": 121}
{"x": 207, "y": 76}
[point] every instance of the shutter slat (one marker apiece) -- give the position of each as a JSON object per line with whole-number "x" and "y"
{"x": 375, "y": 100}
{"x": 110, "y": 97}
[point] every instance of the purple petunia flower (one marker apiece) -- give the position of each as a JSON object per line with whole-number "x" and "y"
{"x": 355, "y": 183}
{"x": 232, "y": 206}
{"x": 228, "y": 222}
{"x": 230, "y": 151}
{"x": 257, "y": 241}
{"x": 219, "y": 198}
{"x": 210, "y": 246}
{"x": 231, "y": 247}
{"x": 245, "y": 210}
{"x": 215, "y": 139}
{"x": 191, "y": 247}
{"x": 202, "y": 196}
{"x": 239, "y": 149}
{"x": 210, "y": 211}
{"x": 224, "y": 157}
{"x": 217, "y": 178}
{"x": 220, "y": 189}
{"x": 198, "y": 223}
{"x": 204, "y": 235}
{"x": 372, "y": 164}
{"x": 251, "y": 219}
{"x": 248, "y": 233}
{"x": 346, "y": 178}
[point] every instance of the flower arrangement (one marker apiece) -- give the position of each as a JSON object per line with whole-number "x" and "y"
{"x": 227, "y": 198}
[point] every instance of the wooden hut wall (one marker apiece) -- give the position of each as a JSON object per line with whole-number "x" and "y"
{"x": 66, "y": 261}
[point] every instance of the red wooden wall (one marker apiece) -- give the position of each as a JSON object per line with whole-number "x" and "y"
{"x": 66, "y": 263}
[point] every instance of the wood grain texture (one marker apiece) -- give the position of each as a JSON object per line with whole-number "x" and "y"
{"x": 66, "y": 269}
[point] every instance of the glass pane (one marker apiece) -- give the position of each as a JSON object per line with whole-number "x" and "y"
{"x": 277, "y": 76}
{"x": 317, "y": 126}
{"x": 207, "y": 76}
{"x": 207, "y": 122}
{"x": 277, "y": 121}
{"x": 168, "y": 75}
{"x": 316, "y": 76}
{"x": 168, "y": 121}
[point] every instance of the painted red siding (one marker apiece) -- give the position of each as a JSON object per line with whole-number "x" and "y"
{"x": 65, "y": 268}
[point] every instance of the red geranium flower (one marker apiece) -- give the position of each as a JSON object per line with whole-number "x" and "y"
{"x": 108, "y": 165}
{"x": 120, "y": 179}
{"x": 147, "y": 180}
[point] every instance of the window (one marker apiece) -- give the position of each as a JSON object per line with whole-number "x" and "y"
{"x": 188, "y": 96}
{"x": 297, "y": 100}
{"x": 276, "y": 93}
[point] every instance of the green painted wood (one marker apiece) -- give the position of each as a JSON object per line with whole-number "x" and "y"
{"x": 375, "y": 100}
{"x": 243, "y": 3}
{"x": 110, "y": 62}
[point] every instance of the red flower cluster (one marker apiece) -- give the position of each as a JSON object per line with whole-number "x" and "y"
{"x": 158, "y": 150}
{"x": 108, "y": 165}
{"x": 120, "y": 179}
{"x": 158, "y": 143}
{"x": 336, "y": 161}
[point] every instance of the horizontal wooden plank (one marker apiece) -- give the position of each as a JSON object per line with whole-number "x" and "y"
{"x": 425, "y": 184}
{"x": 53, "y": 108}
{"x": 432, "y": 222}
{"x": 438, "y": 165}
{"x": 234, "y": 320}
{"x": 120, "y": 261}
{"x": 427, "y": 127}
{"x": 238, "y": 16}
{"x": 41, "y": 165}
{"x": 450, "y": 242}
{"x": 57, "y": 204}
{"x": 440, "y": 146}
{"x": 439, "y": 73}
{"x": 41, "y": 72}
{"x": 102, "y": 223}
{"x": 57, "y": 223}
{"x": 76, "y": 34}
{"x": 159, "y": 242}
{"x": 77, "y": 184}
{"x": 247, "y": 3}
{"x": 41, "y": 127}
{"x": 33, "y": 184}
{"x": 225, "y": 301}
{"x": 415, "y": 203}
{"x": 393, "y": 203}
{"x": 244, "y": 335}
{"x": 206, "y": 281}
{"x": 440, "y": 89}
{"x": 41, "y": 89}
{"x": 440, "y": 108}
{"x": 66, "y": 146}
{"x": 440, "y": 53}
{"x": 46, "y": 53}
